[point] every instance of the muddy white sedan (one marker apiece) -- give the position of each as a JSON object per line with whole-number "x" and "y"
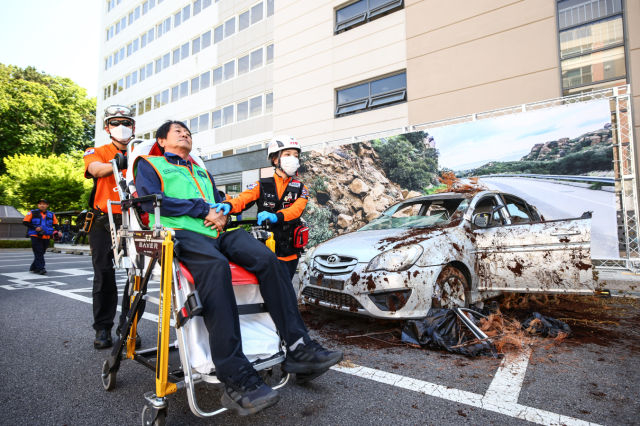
{"x": 447, "y": 250}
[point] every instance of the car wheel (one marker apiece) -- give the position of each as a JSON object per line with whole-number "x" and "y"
{"x": 451, "y": 289}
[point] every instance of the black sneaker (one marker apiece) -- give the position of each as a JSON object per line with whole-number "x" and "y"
{"x": 310, "y": 360}
{"x": 103, "y": 339}
{"x": 249, "y": 394}
{"x": 42, "y": 272}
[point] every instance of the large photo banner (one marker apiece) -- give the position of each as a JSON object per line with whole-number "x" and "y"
{"x": 558, "y": 159}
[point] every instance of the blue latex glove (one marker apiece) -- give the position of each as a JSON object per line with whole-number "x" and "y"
{"x": 226, "y": 208}
{"x": 263, "y": 216}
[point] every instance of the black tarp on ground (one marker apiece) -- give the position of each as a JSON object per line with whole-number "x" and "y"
{"x": 442, "y": 329}
{"x": 546, "y": 327}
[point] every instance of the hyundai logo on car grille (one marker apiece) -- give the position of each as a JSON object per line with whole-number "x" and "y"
{"x": 334, "y": 264}
{"x": 333, "y": 259}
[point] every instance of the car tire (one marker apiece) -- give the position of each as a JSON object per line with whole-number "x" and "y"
{"x": 451, "y": 289}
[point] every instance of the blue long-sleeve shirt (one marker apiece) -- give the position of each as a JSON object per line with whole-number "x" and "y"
{"x": 148, "y": 182}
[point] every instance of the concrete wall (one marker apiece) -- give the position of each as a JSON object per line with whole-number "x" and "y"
{"x": 311, "y": 62}
{"x": 466, "y": 56}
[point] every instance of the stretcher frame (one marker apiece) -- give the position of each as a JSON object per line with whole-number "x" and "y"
{"x": 130, "y": 249}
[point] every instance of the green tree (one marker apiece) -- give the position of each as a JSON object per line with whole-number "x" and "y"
{"x": 42, "y": 114}
{"x": 58, "y": 178}
{"x": 408, "y": 160}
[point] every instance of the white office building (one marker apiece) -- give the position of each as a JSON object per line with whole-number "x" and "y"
{"x": 205, "y": 62}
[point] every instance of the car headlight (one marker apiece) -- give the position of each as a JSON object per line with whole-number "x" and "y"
{"x": 395, "y": 259}
{"x": 308, "y": 256}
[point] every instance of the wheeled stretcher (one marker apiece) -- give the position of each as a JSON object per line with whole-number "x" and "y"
{"x": 140, "y": 252}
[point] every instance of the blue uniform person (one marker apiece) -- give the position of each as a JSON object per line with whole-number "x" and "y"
{"x": 40, "y": 223}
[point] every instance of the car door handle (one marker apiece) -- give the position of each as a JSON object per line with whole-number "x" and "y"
{"x": 565, "y": 232}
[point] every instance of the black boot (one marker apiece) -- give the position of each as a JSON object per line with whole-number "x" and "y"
{"x": 103, "y": 339}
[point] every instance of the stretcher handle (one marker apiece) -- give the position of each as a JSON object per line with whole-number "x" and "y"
{"x": 155, "y": 198}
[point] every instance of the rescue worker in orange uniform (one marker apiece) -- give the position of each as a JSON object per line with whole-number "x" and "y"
{"x": 41, "y": 224}
{"x": 281, "y": 200}
{"x": 120, "y": 126}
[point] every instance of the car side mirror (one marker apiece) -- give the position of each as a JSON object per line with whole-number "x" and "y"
{"x": 481, "y": 220}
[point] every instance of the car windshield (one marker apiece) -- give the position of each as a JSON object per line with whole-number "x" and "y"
{"x": 419, "y": 214}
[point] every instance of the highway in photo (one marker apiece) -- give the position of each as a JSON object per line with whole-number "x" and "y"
{"x": 557, "y": 200}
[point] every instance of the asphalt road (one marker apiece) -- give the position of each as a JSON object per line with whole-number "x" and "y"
{"x": 50, "y": 373}
{"x": 560, "y": 201}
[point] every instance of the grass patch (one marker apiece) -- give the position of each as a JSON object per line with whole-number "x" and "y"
{"x": 16, "y": 243}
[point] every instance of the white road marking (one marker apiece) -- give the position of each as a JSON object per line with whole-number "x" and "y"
{"x": 71, "y": 295}
{"x": 506, "y": 385}
{"x": 501, "y": 396}
{"x": 47, "y": 261}
{"x": 492, "y": 401}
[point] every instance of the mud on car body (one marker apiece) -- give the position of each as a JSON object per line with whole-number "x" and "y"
{"x": 446, "y": 250}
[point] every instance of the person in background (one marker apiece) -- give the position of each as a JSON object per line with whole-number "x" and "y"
{"x": 41, "y": 223}
{"x": 281, "y": 200}
{"x": 120, "y": 126}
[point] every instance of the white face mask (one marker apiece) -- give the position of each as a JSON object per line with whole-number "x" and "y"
{"x": 289, "y": 165}
{"x": 122, "y": 133}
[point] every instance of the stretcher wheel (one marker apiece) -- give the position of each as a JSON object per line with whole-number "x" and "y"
{"x": 153, "y": 416}
{"x": 108, "y": 378}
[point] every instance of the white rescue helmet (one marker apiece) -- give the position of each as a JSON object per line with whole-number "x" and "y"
{"x": 117, "y": 111}
{"x": 280, "y": 143}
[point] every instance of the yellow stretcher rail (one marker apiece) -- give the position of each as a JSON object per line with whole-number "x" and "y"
{"x": 163, "y": 386}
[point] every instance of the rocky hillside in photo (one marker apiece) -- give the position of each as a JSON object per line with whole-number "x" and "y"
{"x": 349, "y": 183}
{"x": 553, "y": 150}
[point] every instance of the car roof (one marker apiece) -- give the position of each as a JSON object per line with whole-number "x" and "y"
{"x": 449, "y": 196}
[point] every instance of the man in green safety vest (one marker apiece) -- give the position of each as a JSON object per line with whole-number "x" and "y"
{"x": 193, "y": 207}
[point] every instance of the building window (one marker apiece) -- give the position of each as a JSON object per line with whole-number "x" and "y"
{"x": 373, "y": 94}
{"x": 203, "y": 123}
{"x": 184, "y": 50}
{"x": 218, "y": 34}
{"x": 206, "y": 39}
{"x": 243, "y": 64}
{"x": 229, "y": 70}
{"x": 227, "y": 115}
{"x": 270, "y": 53}
{"x": 217, "y": 119}
{"x": 256, "y": 59}
{"x": 205, "y": 80}
{"x": 176, "y": 56}
{"x": 184, "y": 89}
{"x": 268, "y": 103}
{"x": 195, "y": 85}
{"x": 362, "y": 11}
{"x": 257, "y": 12}
{"x": 243, "y": 111}
{"x": 195, "y": 46}
{"x": 193, "y": 125}
{"x": 177, "y": 19}
{"x": 243, "y": 21}
{"x": 175, "y": 93}
{"x": 230, "y": 27}
{"x": 197, "y": 7}
{"x": 255, "y": 106}
{"x": 217, "y": 76}
{"x": 591, "y": 40}
{"x": 270, "y": 8}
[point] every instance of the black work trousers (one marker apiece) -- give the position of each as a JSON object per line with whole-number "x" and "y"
{"x": 105, "y": 293}
{"x": 39, "y": 247}
{"x": 208, "y": 261}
